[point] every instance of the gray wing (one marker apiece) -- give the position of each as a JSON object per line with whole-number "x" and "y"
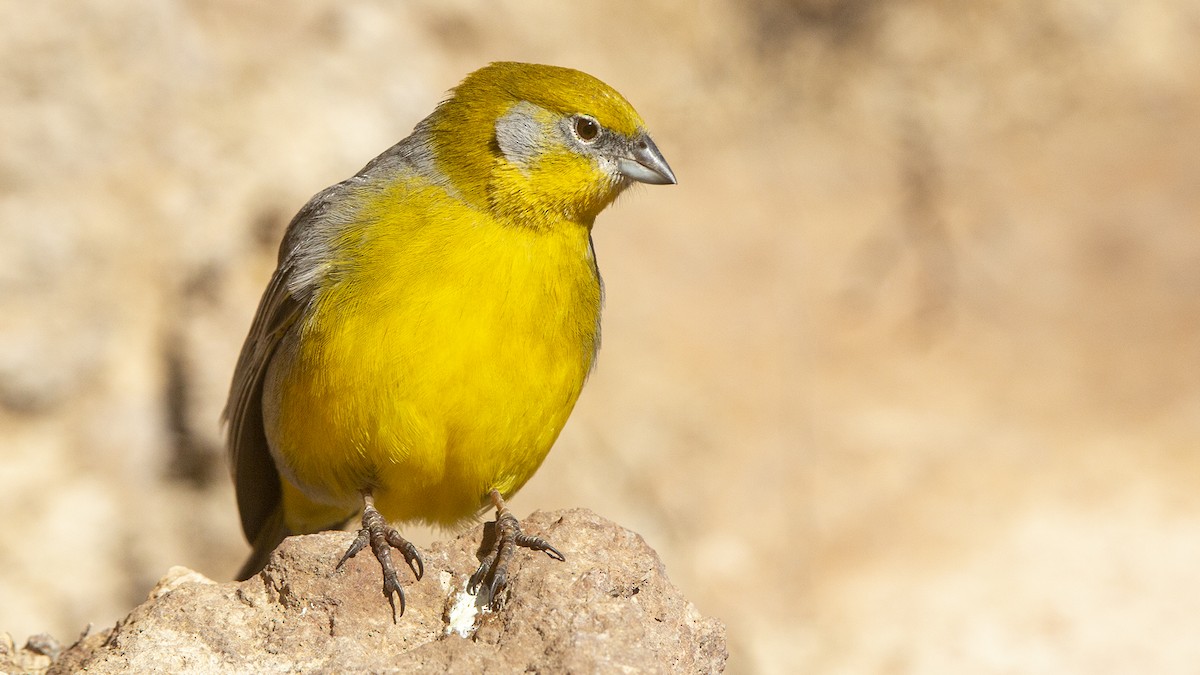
{"x": 256, "y": 480}
{"x": 304, "y": 257}
{"x": 254, "y": 475}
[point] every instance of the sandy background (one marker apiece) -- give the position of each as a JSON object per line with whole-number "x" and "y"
{"x": 902, "y": 377}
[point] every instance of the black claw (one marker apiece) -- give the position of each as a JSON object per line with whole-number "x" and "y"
{"x": 479, "y": 575}
{"x": 539, "y": 544}
{"x": 411, "y": 556}
{"x": 391, "y": 589}
{"x": 499, "y": 582}
{"x": 357, "y": 545}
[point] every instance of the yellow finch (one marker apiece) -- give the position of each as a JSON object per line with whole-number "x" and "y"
{"x": 432, "y": 320}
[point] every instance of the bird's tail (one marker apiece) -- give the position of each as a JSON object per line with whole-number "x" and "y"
{"x": 271, "y": 534}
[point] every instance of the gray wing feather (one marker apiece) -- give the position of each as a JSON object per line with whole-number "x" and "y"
{"x": 254, "y": 474}
{"x": 255, "y": 477}
{"x": 304, "y": 257}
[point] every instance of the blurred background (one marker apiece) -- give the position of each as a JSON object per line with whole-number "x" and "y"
{"x": 902, "y": 377}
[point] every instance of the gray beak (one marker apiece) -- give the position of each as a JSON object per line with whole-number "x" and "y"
{"x": 645, "y": 164}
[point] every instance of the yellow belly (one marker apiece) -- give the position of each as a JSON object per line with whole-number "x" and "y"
{"x": 441, "y": 362}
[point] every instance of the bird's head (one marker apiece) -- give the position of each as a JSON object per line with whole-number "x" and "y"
{"x": 538, "y": 144}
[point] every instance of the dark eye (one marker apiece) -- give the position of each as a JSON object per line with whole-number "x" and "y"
{"x": 586, "y": 128}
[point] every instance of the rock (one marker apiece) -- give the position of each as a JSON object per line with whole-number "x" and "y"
{"x": 608, "y": 608}
{"x": 35, "y": 657}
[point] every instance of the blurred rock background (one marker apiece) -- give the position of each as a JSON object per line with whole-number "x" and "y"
{"x": 902, "y": 376}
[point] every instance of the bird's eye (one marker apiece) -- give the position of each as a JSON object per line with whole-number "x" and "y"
{"x": 586, "y": 128}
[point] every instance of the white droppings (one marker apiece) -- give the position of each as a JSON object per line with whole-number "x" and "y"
{"x": 463, "y": 614}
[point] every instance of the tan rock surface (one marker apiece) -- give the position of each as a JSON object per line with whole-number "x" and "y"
{"x": 608, "y": 608}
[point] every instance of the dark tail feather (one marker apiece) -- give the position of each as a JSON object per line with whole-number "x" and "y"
{"x": 271, "y": 534}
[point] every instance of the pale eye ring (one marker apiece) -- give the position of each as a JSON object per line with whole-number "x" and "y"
{"x": 586, "y": 129}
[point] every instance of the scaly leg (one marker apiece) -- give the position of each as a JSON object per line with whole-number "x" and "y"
{"x": 382, "y": 538}
{"x": 509, "y": 537}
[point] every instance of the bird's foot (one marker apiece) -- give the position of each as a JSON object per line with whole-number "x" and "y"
{"x": 383, "y": 538}
{"x": 493, "y": 567}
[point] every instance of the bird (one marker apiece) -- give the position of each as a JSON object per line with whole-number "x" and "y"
{"x": 432, "y": 320}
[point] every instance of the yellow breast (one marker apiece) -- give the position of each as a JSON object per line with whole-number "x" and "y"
{"x": 440, "y": 361}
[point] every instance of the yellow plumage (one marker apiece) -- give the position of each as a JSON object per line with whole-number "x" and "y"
{"x": 448, "y": 359}
{"x": 433, "y": 319}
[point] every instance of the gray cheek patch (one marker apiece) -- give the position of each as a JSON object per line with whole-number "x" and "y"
{"x": 519, "y": 135}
